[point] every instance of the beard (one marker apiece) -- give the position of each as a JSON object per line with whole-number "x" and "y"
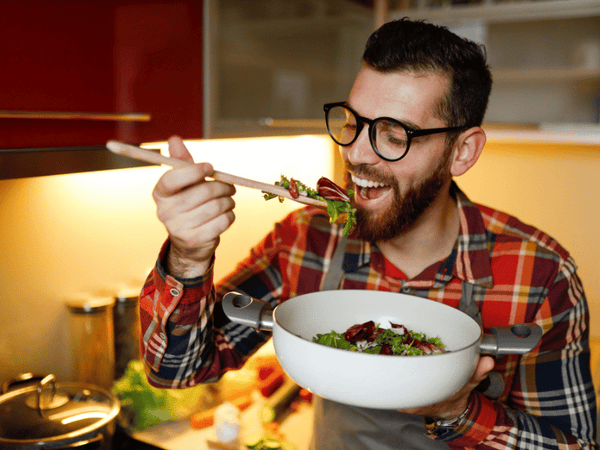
{"x": 405, "y": 209}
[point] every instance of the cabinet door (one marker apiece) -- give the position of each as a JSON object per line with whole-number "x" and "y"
{"x": 273, "y": 64}
{"x": 106, "y": 59}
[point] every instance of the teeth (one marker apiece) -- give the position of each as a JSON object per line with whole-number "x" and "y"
{"x": 367, "y": 183}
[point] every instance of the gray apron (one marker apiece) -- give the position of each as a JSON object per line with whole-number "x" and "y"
{"x": 344, "y": 427}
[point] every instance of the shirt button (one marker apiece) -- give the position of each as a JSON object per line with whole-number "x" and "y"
{"x": 162, "y": 336}
{"x": 174, "y": 292}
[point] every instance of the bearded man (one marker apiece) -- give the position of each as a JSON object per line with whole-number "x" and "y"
{"x": 411, "y": 124}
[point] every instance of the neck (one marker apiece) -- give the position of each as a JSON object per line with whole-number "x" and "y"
{"x": 431, "y": 238}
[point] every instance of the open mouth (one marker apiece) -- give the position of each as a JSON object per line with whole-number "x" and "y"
{"x": 370, "y": 190}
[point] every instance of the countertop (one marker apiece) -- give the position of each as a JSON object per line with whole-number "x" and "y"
{"x": 295, "y": 428}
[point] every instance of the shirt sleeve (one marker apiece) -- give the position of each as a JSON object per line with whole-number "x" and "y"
{"x": 186, "y": 337}
{"x": 552, "y": 402}
{"x": 180, "y": 347}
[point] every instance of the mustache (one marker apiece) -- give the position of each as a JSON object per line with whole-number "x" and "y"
{"x": 367, "y": 171}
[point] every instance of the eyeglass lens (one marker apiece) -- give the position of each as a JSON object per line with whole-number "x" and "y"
{"x": 388, "y": 137}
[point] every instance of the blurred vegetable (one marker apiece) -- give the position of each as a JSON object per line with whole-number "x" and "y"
{"x": 266, "y": 443}
{"x": 144, "y": 406}
{"x": 279, "y": 401}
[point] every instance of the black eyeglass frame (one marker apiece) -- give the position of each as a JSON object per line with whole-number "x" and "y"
{"x": 361, "y": 121}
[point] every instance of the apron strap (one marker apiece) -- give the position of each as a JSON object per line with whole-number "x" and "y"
{"x": 493, "y": 385}
{"x": 467, "y": 303}
{"x": 335, "y": 271}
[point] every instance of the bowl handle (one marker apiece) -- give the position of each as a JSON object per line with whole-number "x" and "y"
{"x": 511, "y": 340}
{"x": 248, "y": 311}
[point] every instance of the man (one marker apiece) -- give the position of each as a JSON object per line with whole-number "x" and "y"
{"x": 411, "y": 123}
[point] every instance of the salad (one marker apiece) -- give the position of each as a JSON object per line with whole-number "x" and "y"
{"x": 338, "y": 200}
{"x": 371, "y": 338}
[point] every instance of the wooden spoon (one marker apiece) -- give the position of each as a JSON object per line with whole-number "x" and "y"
{"x": 141, "y": 154}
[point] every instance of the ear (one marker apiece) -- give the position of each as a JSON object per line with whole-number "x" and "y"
{"x": 467, "y": 149}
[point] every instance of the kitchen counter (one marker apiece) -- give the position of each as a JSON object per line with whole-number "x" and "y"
{"x": 295, "y": 428}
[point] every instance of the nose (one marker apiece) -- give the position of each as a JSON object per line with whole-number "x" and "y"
{"x": 360, "y": 151}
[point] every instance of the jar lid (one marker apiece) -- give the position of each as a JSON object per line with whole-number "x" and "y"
{"x": 89, "y": 304}
{"x": 51, "y": 411}
{"x": 128, "y": 295}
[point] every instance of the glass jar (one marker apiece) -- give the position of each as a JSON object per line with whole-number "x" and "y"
{"x": 92, "y": 340}
{"x": 126, "y": 317}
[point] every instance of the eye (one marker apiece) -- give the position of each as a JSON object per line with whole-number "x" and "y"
{"x": 350, "y": 122}
{"x": 391, "y": 133}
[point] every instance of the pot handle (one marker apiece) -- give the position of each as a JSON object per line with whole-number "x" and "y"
{"x": 248, "y": 311}
{"x": 511, "y": 340}
{"x": 23, "y": 378}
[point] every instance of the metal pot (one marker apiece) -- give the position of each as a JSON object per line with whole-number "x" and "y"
{"x": 368, "y": 380}
{"x": 52, "y": 415}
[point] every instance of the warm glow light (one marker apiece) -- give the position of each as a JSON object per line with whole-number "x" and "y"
{"x": 305, "y": 158}
{"x": 123, "y": 188}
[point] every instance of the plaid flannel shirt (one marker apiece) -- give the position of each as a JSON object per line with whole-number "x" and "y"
{"x": 519, "y": 273}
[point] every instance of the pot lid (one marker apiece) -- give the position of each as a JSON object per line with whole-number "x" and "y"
{"x": 51, "y": 411}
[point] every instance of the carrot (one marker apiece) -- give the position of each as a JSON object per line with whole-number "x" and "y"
{"x": 202, "y": 419}
{"x": 271, "y": 383}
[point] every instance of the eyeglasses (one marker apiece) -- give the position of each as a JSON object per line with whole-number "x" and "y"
{"x": 389, "y": 137}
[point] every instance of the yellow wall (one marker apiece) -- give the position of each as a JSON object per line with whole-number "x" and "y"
{"x": 89, "y": 233}
{"x": 553, "y": 187}
{"x": 95, "y": 233}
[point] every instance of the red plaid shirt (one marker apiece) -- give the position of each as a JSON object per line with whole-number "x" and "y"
{"x": 519, "y": 273}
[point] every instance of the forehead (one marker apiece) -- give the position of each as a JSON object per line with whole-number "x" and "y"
{"x": 412, "y": 97}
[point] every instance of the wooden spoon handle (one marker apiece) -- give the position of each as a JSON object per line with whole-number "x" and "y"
{"x": 148, "y": 156}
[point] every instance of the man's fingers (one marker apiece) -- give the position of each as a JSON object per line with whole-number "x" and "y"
{"x": 177, "y": 149}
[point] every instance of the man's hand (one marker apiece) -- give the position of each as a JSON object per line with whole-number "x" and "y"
{"x": 455, "y": 405}
{"x": 194, "y": 211}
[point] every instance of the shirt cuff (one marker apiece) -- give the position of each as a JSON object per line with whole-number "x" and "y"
{"x": 477, "y": 424}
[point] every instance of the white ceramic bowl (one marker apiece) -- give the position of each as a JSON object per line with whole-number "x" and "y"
{"x": 363, "y": 379}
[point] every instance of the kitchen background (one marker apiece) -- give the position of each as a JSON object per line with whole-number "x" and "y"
{"x": 251, "y": 77}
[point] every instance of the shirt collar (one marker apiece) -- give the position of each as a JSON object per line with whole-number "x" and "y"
{"x": 473, "y": 262}
{"x": 470, "y": 259}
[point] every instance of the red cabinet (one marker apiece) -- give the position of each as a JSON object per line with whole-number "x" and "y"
{"x": 106, "y": 59}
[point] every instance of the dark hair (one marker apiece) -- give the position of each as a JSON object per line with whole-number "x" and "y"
{"x": 408, "y": 45}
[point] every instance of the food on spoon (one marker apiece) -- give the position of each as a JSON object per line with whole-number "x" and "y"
{"x": 370, "y": 338}
{"x": 337, "y": 199}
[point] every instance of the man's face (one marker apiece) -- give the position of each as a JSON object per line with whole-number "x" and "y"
{"x": 391, "y": 197}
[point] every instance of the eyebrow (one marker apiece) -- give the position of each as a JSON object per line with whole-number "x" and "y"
{"x": 407, "y": 123}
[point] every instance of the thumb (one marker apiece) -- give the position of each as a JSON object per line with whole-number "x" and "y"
{"x": 484, "y": 367}
{"x": 177, "y": 149}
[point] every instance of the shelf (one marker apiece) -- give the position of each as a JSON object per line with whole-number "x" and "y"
{"x": 66, "y": 115}
{"x": 501, "y": 11}
{"x": 573, "y": 74}
{"x": 285, "y": 27}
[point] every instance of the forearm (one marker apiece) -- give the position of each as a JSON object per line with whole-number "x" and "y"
{"x": 186, "y": 339}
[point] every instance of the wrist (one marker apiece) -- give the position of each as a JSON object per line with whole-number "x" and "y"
{"x": 439, "y": 427}
{"x": 183, "y": 266}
